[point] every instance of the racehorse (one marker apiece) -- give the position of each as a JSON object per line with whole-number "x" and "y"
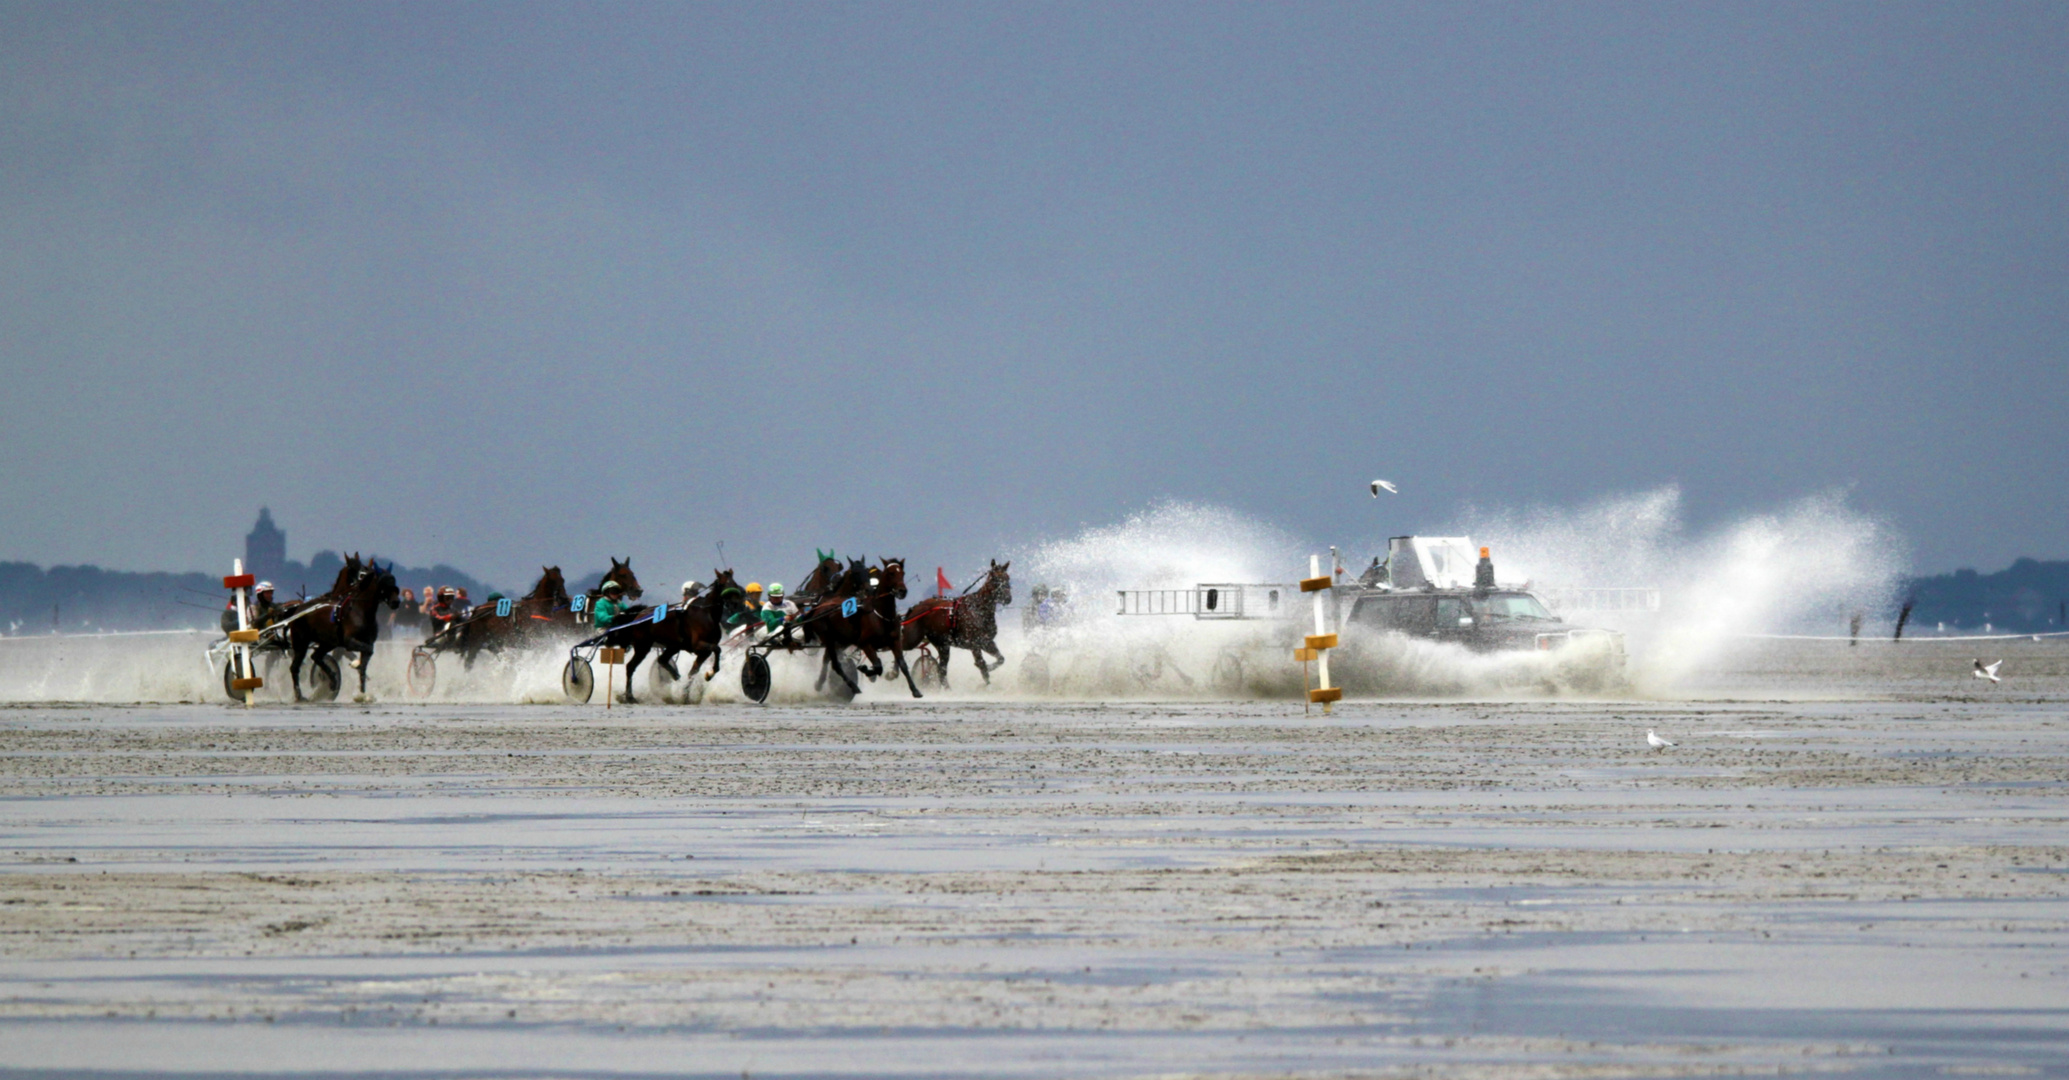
{"x": 620, "y": 572}
{"x": 347, "y": 621}
{"x": 530, "y": 616}
{"x": 696, "y": 628}
{"x": 347, "y": 574}
{"x": 873, "y": 626}
{"x": 968, "y": 622}
{"x": 820, "y": 581}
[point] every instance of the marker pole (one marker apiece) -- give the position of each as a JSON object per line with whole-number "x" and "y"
{"x": 1318, "y": 644}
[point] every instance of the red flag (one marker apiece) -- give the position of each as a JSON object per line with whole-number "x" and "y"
{"x": 941, "y": 585}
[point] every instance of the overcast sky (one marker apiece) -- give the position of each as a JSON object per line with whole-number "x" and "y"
{"x": 501, "y": 285}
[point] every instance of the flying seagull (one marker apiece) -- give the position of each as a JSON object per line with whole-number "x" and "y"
{"x": 1387, "y": 484}
{"x": 1987, "y": 671}
{"x": 1653, "y": 740}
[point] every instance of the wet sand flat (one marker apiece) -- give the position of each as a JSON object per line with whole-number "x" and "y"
{"x": 1024, "y": 889}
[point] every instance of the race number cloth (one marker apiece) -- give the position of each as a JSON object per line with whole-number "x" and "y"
{"x": 849, "y": 607}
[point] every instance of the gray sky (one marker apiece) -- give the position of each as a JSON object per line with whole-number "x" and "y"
{"x": 500, "y": 285}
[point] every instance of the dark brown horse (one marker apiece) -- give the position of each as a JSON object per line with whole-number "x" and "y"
{"x": 535, "y": 615}
{"x": 347, "y": 574}
{"x": 620, "y": 572}
{"x": 346, "y": 622}
{"x": 819, "y": 582}
{"x": 872, "y": 626}
{"x": 970, "y": 621}
{"x": 696, "y": 628}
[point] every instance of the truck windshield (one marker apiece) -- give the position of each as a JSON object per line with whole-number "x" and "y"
{"x": 1511, "y": 606}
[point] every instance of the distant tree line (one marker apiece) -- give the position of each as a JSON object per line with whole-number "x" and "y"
{"x": 2027, "y": 597}
{"x": 85, "y": 599}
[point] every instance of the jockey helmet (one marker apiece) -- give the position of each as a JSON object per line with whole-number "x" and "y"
{"x": 612, "y": 586}
{"x": 754, "y": 586}
{"x": 263, "y": 586}
{"x": 776, "y": 589}
{"x": 448, "y": 591}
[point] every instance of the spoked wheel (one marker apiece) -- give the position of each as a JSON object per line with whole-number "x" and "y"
{"x": 927, "y": 670}
{"x": 1228, "y": 674}
{"x": 1034, "y": 673}
{"x": 577, "y": 681}
{"x": 230, "y": 680}
{"x": 665, "y": 686}
{"x": 755, "y": 679}
{"x": 324, "y": 679}
{"x": 423, "y": 673}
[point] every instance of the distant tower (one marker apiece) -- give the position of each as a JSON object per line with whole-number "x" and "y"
{"x": 265, "y": 547}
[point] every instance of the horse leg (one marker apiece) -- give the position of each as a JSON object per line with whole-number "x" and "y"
{"x": 943, "y": 654}
{"x": 983, "y": 669}
{"x": 898, "y": 655}
{"x": 667, "y": 660}
{"x": 294, "y": 668}
{"x": 715, "y": 649}
{"x": 316, "y": 656}
{"x": 832, "y": 661}
{"x": 998, "y": 658}
{"x": 639, "y": 652}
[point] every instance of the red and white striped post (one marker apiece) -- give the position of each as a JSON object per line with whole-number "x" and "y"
{"x": 242, "y": 638}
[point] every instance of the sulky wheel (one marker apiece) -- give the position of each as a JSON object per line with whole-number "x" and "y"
{"x": 927, "y": 670}
{"x": 577, "y": 681}
{"x": 230, "y": 679}
{"x": 423, "y": 673}
{"x": 324, "y": 679}
{"x": 754, "y": 677}
{"x": 1034, "y": 673}
{"x": 1228, "y": 674}
{"x": 663, "y": 682}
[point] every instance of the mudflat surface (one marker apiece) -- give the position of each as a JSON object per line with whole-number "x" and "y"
{"x": 1026, "y": 889}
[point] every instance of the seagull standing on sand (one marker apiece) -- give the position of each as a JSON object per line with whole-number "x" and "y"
{"x": 1388, "y": 485}
{"x": 1652, "y": 739}
{"x": 1987, "y": 671}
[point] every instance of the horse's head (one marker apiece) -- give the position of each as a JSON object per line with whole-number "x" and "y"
{"x": 725, "y": 598}
{"x": 1002, "y": 581}
{"x": 551, "y": 586}
{"x": 824, "y": 574}
{"x": 621, "y": 572}
{"x": 348, "y": 575}
{"x": 382, "y": 585}
{"x": 892, "y": 578}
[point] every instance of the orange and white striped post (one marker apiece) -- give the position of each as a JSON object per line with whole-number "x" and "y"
{"x": 1317, "y": 645}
